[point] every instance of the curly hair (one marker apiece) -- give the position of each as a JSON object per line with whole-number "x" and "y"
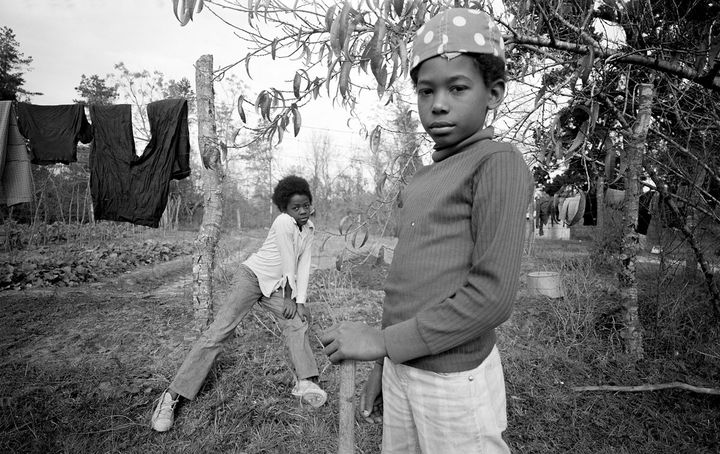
{"x": 491, "y": 68}
{"x": 288, "y": 187}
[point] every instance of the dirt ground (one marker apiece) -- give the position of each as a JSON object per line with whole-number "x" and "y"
{"x": 81, "y": 367}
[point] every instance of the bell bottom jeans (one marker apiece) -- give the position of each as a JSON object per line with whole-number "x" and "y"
{"x": 245, "y": 293}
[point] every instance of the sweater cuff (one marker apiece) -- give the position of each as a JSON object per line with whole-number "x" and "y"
{"x": 403, "y": 342}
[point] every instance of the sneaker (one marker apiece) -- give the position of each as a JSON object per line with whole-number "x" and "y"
{"x": 310, "y": 393}
{"x": 164, "y": 415}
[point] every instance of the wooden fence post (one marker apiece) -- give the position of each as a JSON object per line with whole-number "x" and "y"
{"x": 346, "y": 426}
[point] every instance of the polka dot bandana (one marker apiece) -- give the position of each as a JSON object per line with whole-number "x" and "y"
{"x": 456, "y": 31}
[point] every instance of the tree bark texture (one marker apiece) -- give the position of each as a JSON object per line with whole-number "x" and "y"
{"x": 212, "y": 176}
{"x": 635, "y": 143}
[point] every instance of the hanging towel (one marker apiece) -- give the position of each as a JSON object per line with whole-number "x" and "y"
{"x": 135, "y": 189}
{"x": 575, "y": 209}
{"x": 112, "y": 153}
{"x": 53, "y": 131}
{"x": 16, "y": 185}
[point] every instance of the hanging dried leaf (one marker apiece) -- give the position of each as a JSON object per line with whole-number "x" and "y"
{"x": 380, "y": 184}
{"x": 273, "y": 48}
{"x": 284, "y": 122}
{"x": 235, "y": 135}
{"x": 297, "y": 80}
{"x": 316, "y": 88}
{"x": 344, "y": 81}
{"x": 329, "y": 15}
{"x": 336, "y": 39}
{"x": 183, "y": 10}
{"x": 322, "y": 245}
{"x": 345, "y": 224}
{"x": 263, "y": 104}
{"x": 393, "y": 75}
{"x": 281, "y": 132}
{"x": 594, "y": 112}
{"x": 402, "y": 50}
{"x": 366, "y": 235}
{"x": 331, "y": 68}
{"x": 278, "y": 97}
{"x": 381, "y": 78}
{"x": 241, "y": 111}
{"x": 247, "y": 65}
{"x": 200, "y": 5}
{"x": 344, "y": 24}
{"x": 540, "y": 94}
{"x": 375, "y": 139}
{"x": 297, "y": 120}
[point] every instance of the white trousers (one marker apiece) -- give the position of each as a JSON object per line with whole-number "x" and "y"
{"x": 450, "y": 413}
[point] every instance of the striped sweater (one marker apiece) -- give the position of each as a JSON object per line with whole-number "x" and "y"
{"x": 455, "y": 268}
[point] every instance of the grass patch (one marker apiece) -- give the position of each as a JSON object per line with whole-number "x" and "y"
{"x": 82, "y": 367}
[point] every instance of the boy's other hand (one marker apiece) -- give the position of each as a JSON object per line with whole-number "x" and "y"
{"x": 289, "y": 308}
{"x": 371, "y": 400}
{"x": 353, "y": 340}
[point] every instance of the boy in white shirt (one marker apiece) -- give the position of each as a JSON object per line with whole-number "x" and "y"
{"x": 276, "y": 277}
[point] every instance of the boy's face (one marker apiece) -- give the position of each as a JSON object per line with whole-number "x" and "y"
{"x": 453, "y": 99}
{"x": 299, "y": 208}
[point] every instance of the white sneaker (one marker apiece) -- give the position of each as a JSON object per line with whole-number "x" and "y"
{"x": 164, "y": 415}
{"x": 310, "y": 393}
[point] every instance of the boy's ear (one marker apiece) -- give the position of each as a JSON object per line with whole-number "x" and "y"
{"x": 497, "y": 93}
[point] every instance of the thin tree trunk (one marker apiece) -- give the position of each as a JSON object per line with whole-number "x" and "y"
{"x": 600, "y": 208}
{"x": 212, "y": 176}
{"x": 634, "y": 149}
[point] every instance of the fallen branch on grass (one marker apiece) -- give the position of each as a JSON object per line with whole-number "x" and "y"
{"x": 632, "y": 389}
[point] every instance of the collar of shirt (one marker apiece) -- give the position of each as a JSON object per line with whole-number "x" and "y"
{"x": 441, "y": 153}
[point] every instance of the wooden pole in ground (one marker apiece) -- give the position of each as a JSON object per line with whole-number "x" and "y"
{"x": 346, "y": 426}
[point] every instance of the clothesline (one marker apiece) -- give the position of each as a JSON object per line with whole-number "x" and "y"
{"x": 124, "y": 186}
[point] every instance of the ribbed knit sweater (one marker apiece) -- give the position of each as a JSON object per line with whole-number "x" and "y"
{"x": 455, "y": 269}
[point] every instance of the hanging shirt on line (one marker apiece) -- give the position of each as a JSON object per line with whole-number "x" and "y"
{"x": 131, "y": 188}
{"x": 53, "y": 131}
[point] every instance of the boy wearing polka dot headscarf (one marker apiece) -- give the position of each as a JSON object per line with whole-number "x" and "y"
{"x": 454, "y": 273}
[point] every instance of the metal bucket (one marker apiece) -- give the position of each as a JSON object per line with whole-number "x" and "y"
{"x": 545, "y": 283}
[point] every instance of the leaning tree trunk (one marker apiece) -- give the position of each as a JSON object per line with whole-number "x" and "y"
{"x": 636, "y": 137}
{"x": 212, "y": 176}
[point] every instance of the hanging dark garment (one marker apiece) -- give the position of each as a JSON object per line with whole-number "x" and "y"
{"x": 132, "y": 188}
{"x": 590, "y": 215}
{"x": 53, "y": 131}
{"x": 644, "y": 214}
{"x": 112, "y": 153}
{"x": 16, "y": 183}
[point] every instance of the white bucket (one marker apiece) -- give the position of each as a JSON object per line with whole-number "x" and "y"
{"x": 545, "y": 283}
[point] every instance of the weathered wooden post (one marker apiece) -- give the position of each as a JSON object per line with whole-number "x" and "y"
{"x": 346, "y": 423}
{"x": 212, "y": 176}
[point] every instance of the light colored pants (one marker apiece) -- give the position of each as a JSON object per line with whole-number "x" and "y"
{"x": 454, "y": 413}
{"x": 245, "y": 293}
